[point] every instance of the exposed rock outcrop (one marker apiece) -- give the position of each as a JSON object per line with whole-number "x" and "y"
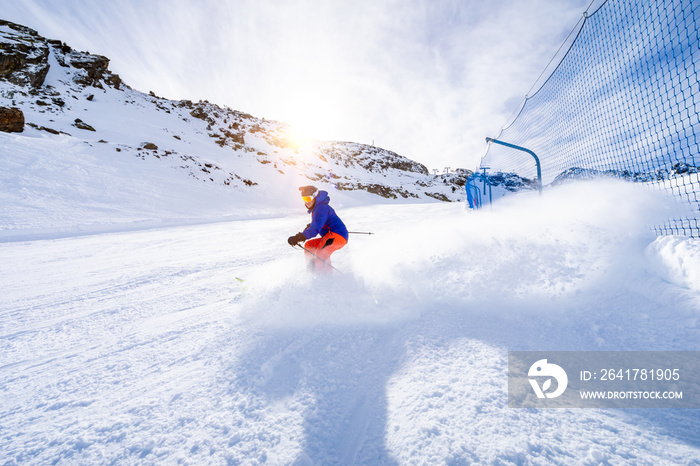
{"x": 24, "y": 57}
{"x": 24, "y": 60}
{"x": 80, "y": 124}
{"x": 11, "y": 120}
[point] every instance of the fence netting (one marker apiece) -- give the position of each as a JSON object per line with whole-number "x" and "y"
{"x": 624, "y": 101}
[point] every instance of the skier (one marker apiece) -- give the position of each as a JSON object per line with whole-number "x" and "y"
{"x": 324, "y": 222}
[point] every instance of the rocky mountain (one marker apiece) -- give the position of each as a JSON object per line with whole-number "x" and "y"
{"x": 62, "y": 93}
{"x": 678, "y": 169}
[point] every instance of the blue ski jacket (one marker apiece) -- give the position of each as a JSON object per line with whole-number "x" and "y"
{"x": 324, "y": 219}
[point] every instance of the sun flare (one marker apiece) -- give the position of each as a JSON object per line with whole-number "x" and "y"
{"x": 299, "y": 138}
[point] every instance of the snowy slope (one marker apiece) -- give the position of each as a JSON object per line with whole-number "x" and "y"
{"x": 143, "y": 347}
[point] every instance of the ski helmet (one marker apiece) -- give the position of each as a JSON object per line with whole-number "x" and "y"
{"x": 308, "y": 194}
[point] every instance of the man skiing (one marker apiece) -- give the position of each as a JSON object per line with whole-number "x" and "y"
{"x": 324, "y": 222}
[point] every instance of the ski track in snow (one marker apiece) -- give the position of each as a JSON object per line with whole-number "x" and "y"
{"x": 143, "y": 347}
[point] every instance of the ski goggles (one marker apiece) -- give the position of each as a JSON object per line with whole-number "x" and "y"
{"x": 307, "y": 199}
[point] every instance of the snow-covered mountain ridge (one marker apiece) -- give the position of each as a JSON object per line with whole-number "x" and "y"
{"x": 64, "y": 93}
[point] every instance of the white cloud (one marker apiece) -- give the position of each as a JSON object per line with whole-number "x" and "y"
{"x": 426, "y": 79}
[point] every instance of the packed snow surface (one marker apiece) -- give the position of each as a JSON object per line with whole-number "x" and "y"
{"x": 210, "y": 344}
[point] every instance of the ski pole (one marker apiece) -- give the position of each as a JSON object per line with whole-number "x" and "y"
{"x": 360, "y": 232}
{"x": 329, "y": 265}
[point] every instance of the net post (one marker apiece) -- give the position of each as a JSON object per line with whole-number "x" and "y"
{"x": 537, "y": 160}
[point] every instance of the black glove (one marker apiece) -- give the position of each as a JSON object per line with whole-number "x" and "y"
{"x": 296, "y": 239}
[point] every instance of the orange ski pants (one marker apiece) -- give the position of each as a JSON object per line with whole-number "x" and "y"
{"x": 322, "y": 248}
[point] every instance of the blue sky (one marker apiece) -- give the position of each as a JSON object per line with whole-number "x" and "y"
{"x": 427, "y": 79}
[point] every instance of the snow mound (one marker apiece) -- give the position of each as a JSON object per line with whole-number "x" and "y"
{"x": 677, "y": 259}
